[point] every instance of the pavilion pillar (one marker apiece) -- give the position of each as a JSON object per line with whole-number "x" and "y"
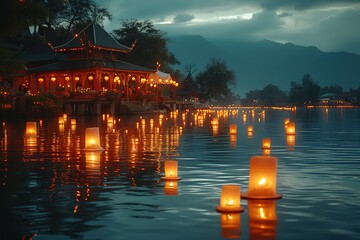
{"x": 126, "y": 87}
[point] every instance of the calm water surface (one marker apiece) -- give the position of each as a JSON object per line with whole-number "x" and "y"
{"x": 51, "y": 190}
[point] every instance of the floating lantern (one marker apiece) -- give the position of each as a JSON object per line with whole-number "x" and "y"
{"x": 266, "y": 142}
{"x": 230, "y": 225}
{"x": 171, "y": 187}
{"x": 143, "y": 121}
{"x": 262, "y": 180}
{"x": 233, "y": 129}
{"x": 65, "y": 117}
{"x": 290, "y": 129}
{"x": 61, "y": 120}
{"x": 250, "y": 128}
{"x": 31, "y": 130}
{"x": 92, "y": 139}
{"x": 215, "y": 121}
{"x": 73, "y": 121}
{"x": 230, "y": 199}
{"x": 286, "y": 121}
{"x": 171, "y": 170}
{"x": 262, "y": 219}
{"x": 250, "y": 134}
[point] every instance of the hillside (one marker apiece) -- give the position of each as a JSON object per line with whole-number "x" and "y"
{"x": 257, "y": 64}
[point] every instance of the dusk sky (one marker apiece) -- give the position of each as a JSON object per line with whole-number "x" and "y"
{"x": 331, "y": 25}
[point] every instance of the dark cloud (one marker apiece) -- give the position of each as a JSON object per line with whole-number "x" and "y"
{"x": 327, "y": 24}
{"x": 183, "y": 18}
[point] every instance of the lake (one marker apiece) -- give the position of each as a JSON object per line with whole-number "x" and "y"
{"x": 51, "y": 188}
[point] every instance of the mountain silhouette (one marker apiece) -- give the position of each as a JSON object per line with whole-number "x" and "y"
{"x": 257, "y": 64}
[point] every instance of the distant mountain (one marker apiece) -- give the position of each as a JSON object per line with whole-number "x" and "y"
{"x": 257, "y": 64}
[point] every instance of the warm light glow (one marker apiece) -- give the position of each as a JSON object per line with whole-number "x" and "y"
{"x": 290, "y": 140}
{"x": 250, "y": 128}
{"x": 233, "y": 129}
{"x": 290, "y": 129}
{"x": 171, "y": 187}
{"x": 40, "y": 80}
{"x": 31, "y": 129}
{"x": 77, "y": 78}
{"x": 171, "y": 170}
{"x": 233, "y": 140}
{"x": 67, "y": 78}
{"x": 215, "y": 121}
{"x": 90, "y": 77}
{"x": 61, "y": 120}
{"x": 93, "y": 161}
{"x": 230, "y": 199}
{"x": 262, "y": 219}
{"x": 230, "y": 225}
{"x": 262, "y": 179}
{"x": 250, "y": 134}
{"x": 266, "y": 143}
{"x": 106, "y": 77}
{"x": 53, "y": 78}
{"x": 286, "y": 121}
{"x": 92, "y": 139}
{"x": 73, "y": 121}
{"x": 266, "y": 151}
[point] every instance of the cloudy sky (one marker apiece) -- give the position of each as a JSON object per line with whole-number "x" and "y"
{"x": 331, "y": 25}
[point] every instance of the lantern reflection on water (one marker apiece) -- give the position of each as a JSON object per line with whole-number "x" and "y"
{"x": 262, "y": 219}
{"x": 171, "y": 187}
{"x": 266, "y": 151}
{"x": 290, "y": 141}
{"x": 230, "y": 225}
{"x": 266, "y": 142}
{"x": 230, "y": 199}
{"x": 92, "y": 161}
{"x": 262, "y": 179}
{"x": 215, "y": 121}
{"x": 250, "y": 128}
{"x": 92, "y": 139}
{"x": 171, "y": 170}
{"x": 233, "y": 138}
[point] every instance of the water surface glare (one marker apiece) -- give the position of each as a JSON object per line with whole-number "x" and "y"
{"x": 51, "y": 188}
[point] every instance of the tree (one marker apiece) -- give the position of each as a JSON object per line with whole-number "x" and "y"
{"x": 252, "y": 97}
{"x": 216, "y": 80}
{"x": 149, "y": 45}
{"x": 305, "y": 93}
{"x": 271, "y": 95}
{"x": 336, "y": 89}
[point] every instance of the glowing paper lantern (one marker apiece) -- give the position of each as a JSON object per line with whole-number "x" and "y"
{"x": 266, "y": 142}
{"x": 290, "y": 129}
{"x": 233, "y": 140}
{"x": 61, "y": 120}
{"x": 230, "y": 225}
{"x": 250, "y": 134}
{"x": 262, "y": 180}
{"x": 73, "y": 121}
{"x": 215, "y": 121}
{"x": 31, "y": 130}
{"x": 250, "y": 128}
{"x": 262, "y": 219}
{"x": 171, "y": 170}
{"x": 230, "y": 199}
{"x": 233, "y": 129}
{"x": 92, "y": 139}
{"x": 171, "y": 187}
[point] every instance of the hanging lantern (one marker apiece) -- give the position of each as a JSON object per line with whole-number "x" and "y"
{"x": 262, "y": 179}
{"x": 40, "y": 80}
{"x": 67, "y": 78}
{"x": 171, "y": 170}
{"x": 171, "y": 187}
{"x": 233, "y": 129}
{"x": 31, "y": 129}
{"x": 106, "y": 77}
{"x": 230, "y": 199}
{"x": 262, "y": 219}
{"x": 53, "y": 78}
{"x": 92, "y": 139}
{"x": 266, "y": 143}
{"x": 230, "y": 225}
{"x": 90, "y": 77}
{"x": 290, "y": 129}
{"x": 77, "y": 78}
